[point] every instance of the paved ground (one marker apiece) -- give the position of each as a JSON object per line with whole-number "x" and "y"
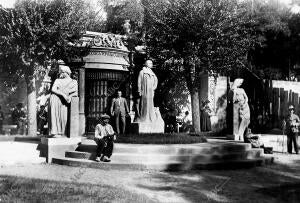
{"x": 276, "y": 183}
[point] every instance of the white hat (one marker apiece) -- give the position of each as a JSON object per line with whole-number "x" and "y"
{"x": 64, "y": 69}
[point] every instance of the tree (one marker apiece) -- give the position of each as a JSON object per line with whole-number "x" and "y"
{"x": 120, "y": 10}
{"x": 35, "y": 32}
{"x": 271, "y": 31}
{"x": 200, "y": 35}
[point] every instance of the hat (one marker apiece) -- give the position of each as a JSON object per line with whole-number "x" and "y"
{"x": 291, "y": 107}
{"x": 104, "y": 116}
{"x": 64, "y": 69}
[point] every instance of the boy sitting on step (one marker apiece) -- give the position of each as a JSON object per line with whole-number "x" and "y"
{"x": 104, "y": 137}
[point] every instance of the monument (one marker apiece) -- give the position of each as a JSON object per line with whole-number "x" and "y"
{"x": 241, "y": 110}
{"x": 63, "y": 116}
{"x": 148, "y": 118}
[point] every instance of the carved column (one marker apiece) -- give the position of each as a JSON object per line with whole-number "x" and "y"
{"x": 81, "y": 101}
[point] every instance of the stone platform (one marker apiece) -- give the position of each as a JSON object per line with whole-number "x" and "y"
{"x": 216, "y": 154}
{"x": 144, "y": 127}
{"x": 56, "y": 147}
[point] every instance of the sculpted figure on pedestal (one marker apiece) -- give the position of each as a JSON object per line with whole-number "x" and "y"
{"x": 62, "y": 91}
{"x": 240, "y": 101}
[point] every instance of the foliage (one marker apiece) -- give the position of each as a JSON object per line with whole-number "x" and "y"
{"x": 199, "y": 35}
{"x": 276, "y": 32}
{"x": 36, "y": 31}
{"x": 164, "y": 138}
{"x": 120, "y": 10}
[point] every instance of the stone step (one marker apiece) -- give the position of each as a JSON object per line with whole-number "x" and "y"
{"x": 163, "y": 166}
{"x": 202, "y": 148}
{"x": 172, "y": 166}
{"x": 144, "y": 158}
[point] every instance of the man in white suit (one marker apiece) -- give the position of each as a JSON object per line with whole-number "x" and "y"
{"x": 119, "y": 109}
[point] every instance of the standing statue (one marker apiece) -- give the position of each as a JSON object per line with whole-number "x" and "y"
{"x": 127, "y": 27}
{"x": 240, "y": 102}
{"x": 62, "y": 91}
{"x": 147, "y": 83}
{"x": 147, "y": 114}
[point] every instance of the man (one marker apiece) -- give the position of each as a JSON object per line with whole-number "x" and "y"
{"x": 291, "y": 128}
{"x": 42, "y": 119}
{"x": 104, "y": 137}
{"x": 19, "y": 118}
{"x": 119, "y": 109}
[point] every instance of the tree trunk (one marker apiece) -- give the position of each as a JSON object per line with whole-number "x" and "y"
{"x": 31, "y": 106}
{"x": 195, "y": 110}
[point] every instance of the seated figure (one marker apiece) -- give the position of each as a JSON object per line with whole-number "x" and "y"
{"x": 104, "y": 138}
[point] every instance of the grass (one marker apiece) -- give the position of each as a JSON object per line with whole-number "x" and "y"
{"x": 17, "y": 189}
{"x": 162, "y": 138}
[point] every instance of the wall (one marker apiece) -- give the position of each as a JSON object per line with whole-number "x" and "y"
{"x": 215, "y": 90}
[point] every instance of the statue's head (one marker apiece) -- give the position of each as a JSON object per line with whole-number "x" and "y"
{"x": 149, "y": 63}
{"x": 237, "y": 82}
{"x": 64, "y": 71}
{"x": 119, "y": 93}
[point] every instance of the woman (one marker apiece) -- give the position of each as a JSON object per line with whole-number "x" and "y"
{"x": 205, "y": 116}
{"x": 63, "y": 89}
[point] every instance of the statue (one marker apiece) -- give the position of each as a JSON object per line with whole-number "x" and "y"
{"x": 240, "y": 103}
{"x": 146, "y": 112}
{"x": 62, "y": 91}
{"x": 127, "y": 27}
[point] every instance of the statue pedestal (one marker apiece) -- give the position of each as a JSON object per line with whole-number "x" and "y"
{"x": 56, "y": 147}
{"x": 148, "y": 127}
{"x": 236, "y": 123}
{"x": 74, "y": 117}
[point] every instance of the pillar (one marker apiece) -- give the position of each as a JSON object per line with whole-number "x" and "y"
{"x": 81, "y": 101}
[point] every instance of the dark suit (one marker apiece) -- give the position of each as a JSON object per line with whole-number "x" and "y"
{"x": 118, "y": 109}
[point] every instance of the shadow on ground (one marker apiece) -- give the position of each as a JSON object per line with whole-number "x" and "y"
{"x": 18, "y": 189}
{"x": 274, "y": 183}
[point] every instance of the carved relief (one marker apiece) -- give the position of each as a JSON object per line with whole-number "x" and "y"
{"x": 109, "y": 40}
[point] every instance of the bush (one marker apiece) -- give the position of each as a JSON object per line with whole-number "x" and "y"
{"x": 162, "y": 138}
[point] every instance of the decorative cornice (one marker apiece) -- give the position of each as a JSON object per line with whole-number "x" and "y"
{"x": 106, "y": 40}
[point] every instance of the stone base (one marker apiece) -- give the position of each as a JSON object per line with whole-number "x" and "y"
{"x": 235, "y": 137}
{"x": 145, "y": 127}
{"x": 56, "y": 147}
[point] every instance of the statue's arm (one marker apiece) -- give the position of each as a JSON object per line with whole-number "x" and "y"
{"x": 74, "y": 89}
{"x": 140, "y": 82}
{"x": 246, "y": 97}
{"x": 126, "y": 106}
{"x": 56, "y": 90}
{"x": 112, "y": 107}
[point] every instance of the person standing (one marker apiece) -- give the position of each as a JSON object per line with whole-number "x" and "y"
{"x": 205, "y": 123}
{"x": 104, "y": 138}
{"x": 19, "y": 118}
{"x": 291, "y": 128}
{"x": 1, "y": 120}
{"x": 119, "y": 109}
{"x": 42, "y": 119}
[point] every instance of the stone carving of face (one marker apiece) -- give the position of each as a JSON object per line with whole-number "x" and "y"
{"x": 119, "y": 94}
{"x": 149, "y": 64}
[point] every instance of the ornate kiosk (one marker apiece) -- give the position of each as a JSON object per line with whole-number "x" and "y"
{"x": 105, "y": 71}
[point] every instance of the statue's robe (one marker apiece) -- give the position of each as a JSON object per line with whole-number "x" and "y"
{"x": 58, "y": 106}
{"x": 147, "y": 83}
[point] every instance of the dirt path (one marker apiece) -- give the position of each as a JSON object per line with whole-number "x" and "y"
{"x": 276, "y": 183}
